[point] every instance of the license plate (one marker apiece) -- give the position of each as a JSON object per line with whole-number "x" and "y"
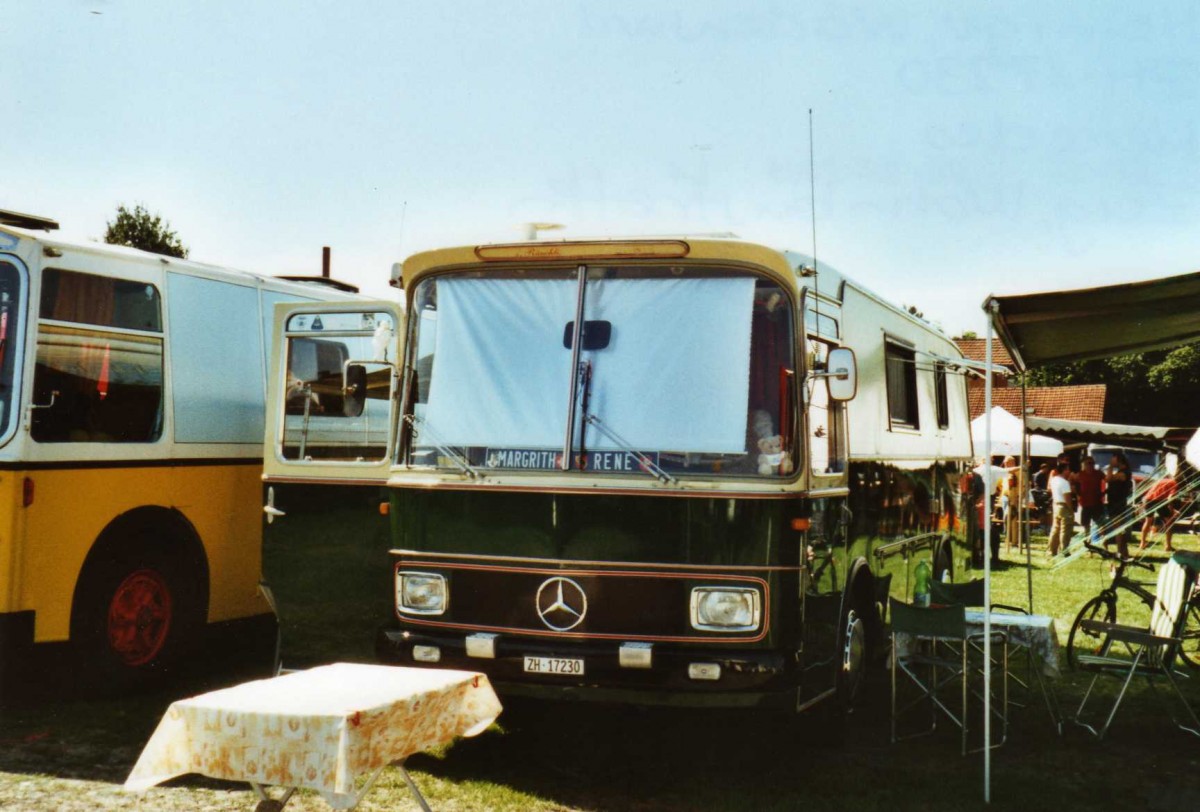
{"x": 554, "y": 665}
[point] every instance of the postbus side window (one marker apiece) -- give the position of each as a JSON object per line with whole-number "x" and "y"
{"x": 99, "y": 371}
{"x": 10, "y": 328}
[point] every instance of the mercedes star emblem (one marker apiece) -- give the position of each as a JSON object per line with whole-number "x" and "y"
{"x": 561, "y": 604}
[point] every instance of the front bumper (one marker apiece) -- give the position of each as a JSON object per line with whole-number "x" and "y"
{"x": 747, "y": 678}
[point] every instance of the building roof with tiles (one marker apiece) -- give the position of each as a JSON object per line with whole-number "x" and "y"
{"x": 976, "y": 350}
{"x": 1062, "y": 402}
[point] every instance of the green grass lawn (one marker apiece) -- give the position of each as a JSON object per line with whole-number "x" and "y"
{"x": 73, "y": 755}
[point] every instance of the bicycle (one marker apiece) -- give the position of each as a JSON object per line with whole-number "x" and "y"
{"x": 1103, "y": 607}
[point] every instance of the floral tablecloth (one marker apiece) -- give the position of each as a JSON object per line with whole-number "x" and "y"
{"x": 1035, "y": 632}
{"x": 321, "y": 729}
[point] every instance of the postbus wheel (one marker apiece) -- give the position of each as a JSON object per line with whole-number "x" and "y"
{"x": 857, "y": 632}
{"x": 136, "y": 614}
{"x": 943, "y": 561}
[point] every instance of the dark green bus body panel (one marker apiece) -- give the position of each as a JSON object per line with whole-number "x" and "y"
{"x": 637, "y": 558}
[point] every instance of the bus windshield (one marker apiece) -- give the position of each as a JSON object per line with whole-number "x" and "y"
{"x": 10, "y": 329}
{"x": 676, "y": 373}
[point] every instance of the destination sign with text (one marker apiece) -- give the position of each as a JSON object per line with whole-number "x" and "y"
{"x": 541, "y": 459}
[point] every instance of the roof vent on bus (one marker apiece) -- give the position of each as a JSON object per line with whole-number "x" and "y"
{"x": 532, "y": 230}
{"x": 30, "y": 221}
{"x": 323, "y": 281}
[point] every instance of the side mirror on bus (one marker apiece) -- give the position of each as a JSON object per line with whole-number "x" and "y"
{"x": 841, "y": 375}
{"x": 354, "y": 390}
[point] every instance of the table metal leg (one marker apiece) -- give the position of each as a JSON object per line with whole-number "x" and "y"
{"x": 1050, "y": 696}
{"x": 413, "y": 786}
{"x": 268, "y": 804}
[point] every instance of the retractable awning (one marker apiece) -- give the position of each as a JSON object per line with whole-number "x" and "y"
{"x": 1111, "y": 433}
{"x": 1076, "y": 325}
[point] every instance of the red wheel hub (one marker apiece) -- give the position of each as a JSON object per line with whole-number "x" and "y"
{"x": 139, "y": 617}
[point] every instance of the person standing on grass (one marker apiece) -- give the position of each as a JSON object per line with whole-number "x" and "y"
{"x": 1118, "y": 486}
{"x": 1090, "y": 483}
{"x": 1158, "y": 504}
{"x": 1041, "y": 495}
{"x": 1062, "y": 500}
{"x": 1011, "y": 495}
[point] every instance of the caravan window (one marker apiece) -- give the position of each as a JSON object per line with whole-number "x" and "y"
{"x": 941, "y": 395}
{"x": 901, "y": 371}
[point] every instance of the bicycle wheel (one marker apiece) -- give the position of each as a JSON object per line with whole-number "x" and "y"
{"x": 1189, "y": 652}
{"x": 1081, "y": 641}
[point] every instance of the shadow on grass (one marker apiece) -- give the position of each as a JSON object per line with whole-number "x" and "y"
{"x": 87, "y": 738}
{"x": 619, "y": 758}
{"x": 601, "y": 757}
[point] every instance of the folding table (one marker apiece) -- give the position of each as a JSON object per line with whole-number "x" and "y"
{"x": 1037, "y": 634}
{"x": 322, "y": 729}
{"x": 1033, "y": 632}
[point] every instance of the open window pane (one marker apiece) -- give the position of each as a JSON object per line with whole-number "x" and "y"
{"x": 321, "y": 423}
{"x": 100, "y": 300}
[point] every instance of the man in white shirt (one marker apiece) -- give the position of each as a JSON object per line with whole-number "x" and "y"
{"x": 1064, "y": 508}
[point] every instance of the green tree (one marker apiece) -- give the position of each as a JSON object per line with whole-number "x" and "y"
{"x": 141, "y": 229}
{"x": 1161, "y": 387}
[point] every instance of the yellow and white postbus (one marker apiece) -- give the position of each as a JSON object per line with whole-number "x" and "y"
{"x": 131, "y": 425}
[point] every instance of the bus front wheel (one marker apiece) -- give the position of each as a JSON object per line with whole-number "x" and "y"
{"x": 136, "y": 615}
{"x": 858, "y": 629}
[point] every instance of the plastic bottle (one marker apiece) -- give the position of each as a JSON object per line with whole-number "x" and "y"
{"x": 921, "y": 579}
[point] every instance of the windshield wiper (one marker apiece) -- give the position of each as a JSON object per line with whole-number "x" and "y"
{"x": 458, "y": 459}
{"x": 645, "y": 463}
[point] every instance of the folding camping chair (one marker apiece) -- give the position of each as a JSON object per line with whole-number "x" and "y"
{"x": 969, "y": 594}
{"x": 1151, "y": 651}
{"x": 932, "y": 647}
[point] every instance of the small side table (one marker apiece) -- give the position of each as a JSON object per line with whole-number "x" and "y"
{"x": 322, "y": 729}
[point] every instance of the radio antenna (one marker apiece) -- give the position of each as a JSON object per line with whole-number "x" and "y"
{"x": 812, "y": 187}
{"x": 400, "y": 236}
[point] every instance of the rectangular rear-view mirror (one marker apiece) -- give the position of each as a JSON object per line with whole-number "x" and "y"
{"x": 354, "y": 390}
{"x": 841, "y": 374}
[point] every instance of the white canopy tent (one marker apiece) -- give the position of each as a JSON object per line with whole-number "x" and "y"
{"x": 1191, "y": 451}
{"x": 1006, "y": 436}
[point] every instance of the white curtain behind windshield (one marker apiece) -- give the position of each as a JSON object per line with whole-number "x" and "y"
{"x": 674, "y": 375}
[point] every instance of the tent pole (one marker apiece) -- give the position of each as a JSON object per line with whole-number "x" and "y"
{"x": 987, "y": 569}
{"x": 1026, "y": 533}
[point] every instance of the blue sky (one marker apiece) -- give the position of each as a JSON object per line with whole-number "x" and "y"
{"x": 961, "y": 148}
